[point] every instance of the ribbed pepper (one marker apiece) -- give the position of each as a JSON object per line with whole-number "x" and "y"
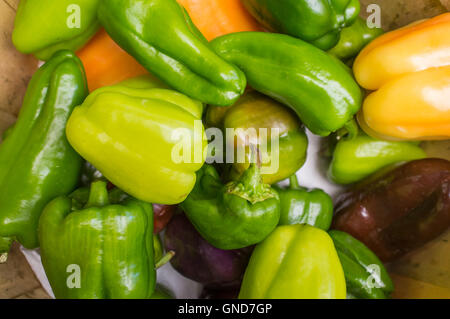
{"x": 257, "y": 112}
{"x": 108, "y": 244}
{"x": 294, "y": 262}
{"x": 161, "y": 36}
{"x": 131, "y": 132}
{"x": 300, "y": 206}
{"x": 232, "y": 216}
{"x": 43, "y": 27}
{"x": 318, "y": 22}
{"x": 357, "y": 158}
{"x": 36, "y": 161}
{"x": 318, "y": 87}
{"x": 365, "y": 275}
{"x": 410, "y": 70}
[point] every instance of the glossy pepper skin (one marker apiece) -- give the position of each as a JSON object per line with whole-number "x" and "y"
{"x": 409, "y": 71}
{"x": 399, "y": 210}
{"x": 294, "y": 262}
{"x": 161, "y": 36}
{"x": 129, "y": 132}
{"x": 111, "y": 243}
{"x": 232, "y": 216}
{"x": 318, "y": 87}
{"x": 365, "y": 275}
{"x": 357, "y": 158}
{"x": 300, "y": 206}
{"x": 263, "y": 115}
{"x": 353, "y": 39}
{"x": 317, "y": 22}
{"x": 43, "y": 27}
{"x": 37, "y": 163}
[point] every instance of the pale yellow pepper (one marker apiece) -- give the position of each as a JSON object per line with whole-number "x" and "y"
{"x": 409, "y": 70}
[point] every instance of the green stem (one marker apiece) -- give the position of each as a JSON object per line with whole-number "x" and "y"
{"x": 165, "y": 259}
{"x": 98, "y": 195}
{"x": 293, "y": 182}
{"x": 349, "y": 131}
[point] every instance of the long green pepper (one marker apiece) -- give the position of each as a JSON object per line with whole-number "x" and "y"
{"x": 317, "y": 86}
{"x": 37, "y": 163}
{"x": 161, "y": 36}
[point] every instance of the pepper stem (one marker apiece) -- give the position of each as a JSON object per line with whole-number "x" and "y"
{"x": 98, "y": 196}
{"x": 293, "y": 181}
{"x": 250, "y": 185}
{"x": 165, "y": 259}
{"x": 349, "y": 131}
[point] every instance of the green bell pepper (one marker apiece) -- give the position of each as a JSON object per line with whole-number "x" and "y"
{"x": 356, "y": 158}
{"x": 146, "y": 140}
{"x": 294, "y": 262}
{"x": 235, "y": 215}
{"x": 37, "y": 163}
{"x": 300, "y": 206}
{"x": 160, "y": 35}
{"x": 365, "y": 274}
{"x": 43, "y": 27}
{"x": 318, "y": 87}
{"x": 256, "y": 112}
{"x": 102, "y": 250}
{"x": 353, "y": 39}
{"x": 317, "y": 22}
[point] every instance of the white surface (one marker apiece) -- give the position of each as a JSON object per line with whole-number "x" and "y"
{"x": 311, "y": 175}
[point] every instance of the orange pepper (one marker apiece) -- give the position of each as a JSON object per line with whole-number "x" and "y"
{"x": 106, "y": 63}
{"x": 409, "y": 69}
{"x": 219, "y": 17}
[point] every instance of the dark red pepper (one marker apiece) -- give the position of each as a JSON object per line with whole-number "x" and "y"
{"x": 400, "y": 210}
{"x": 162, "y": 216}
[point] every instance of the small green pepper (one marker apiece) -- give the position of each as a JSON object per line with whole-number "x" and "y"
{"x": 109, "y": 245}
{"x": 317, "y": 86}
{"x": 43, "y": 27}
{"x": 294, "y": 262}
{"x": 357, "y": 158}
{"x": 37, "y": 163}
{"x": 235, "y": 215}
{"x": 300, "y": 206}
{"x": 353, "y": 39}
{"x": 365, "y": 274}
{"x": 318, "y": 22}
{"x": 161, "y": 36}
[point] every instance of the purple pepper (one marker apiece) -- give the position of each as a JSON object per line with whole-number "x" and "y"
{"x": 198, "y": 260}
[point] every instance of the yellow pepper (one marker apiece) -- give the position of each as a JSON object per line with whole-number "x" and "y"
{"x": 409, "y": 70}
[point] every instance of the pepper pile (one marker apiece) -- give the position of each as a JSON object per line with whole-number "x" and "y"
{"x": 92, "y": 178}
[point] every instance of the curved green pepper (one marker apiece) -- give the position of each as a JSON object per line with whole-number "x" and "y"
{"x": 36, "y": 161}
{"x": 365, "y": 274}
{"x": 235, "y": 215}
{"x": 318, "y": 87}
{"x": 357, "y": 158}
{"x": 354, "y": 38}
{"x": 159, "y": 34}
{"x": 257, "y": 112}
{"x": 108, "y": 246}
{"x": 317, "y": 22}
{"x": 146, "y": 140}
{"x": 294, "y": 262}
{"x": 300, "y": 206}
{"x": 43, "y": 27}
